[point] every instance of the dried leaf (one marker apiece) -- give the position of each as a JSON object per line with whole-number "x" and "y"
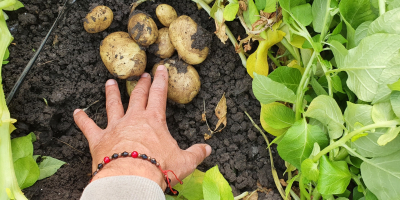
{"x": 203, "y": 117}
{"x": 258, "y": 23}
{"x": 220, "y": 31}
{"x": 283, "y": 182}
{"x": 251, "y": 196}
{"x": 237, "y": 48}
{"x": 207, "y": 136}
{"x": 265, "y": 14}
{"x": 247, "y": 47}
{"x": 220, "y": 112}
{"x": 242, "y": 5}
{"x": 238, "y": 38}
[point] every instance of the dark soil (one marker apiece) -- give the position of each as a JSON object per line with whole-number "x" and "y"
{"x": 69, "y": 74}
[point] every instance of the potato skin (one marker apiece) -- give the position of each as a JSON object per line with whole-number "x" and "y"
{"x": 183, "y": 82}
{"x": 166, "y": 14}
{"x": 98, "y": 19}
{"x": 122, "y": 56}
{"x": 130, "y": 85}
{"x": 142, "y": 28}
{"x": 180, "y": 33}
{"x": 163, "y": 47}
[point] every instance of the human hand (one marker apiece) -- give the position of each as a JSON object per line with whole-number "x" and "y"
{"x": 143, "y": 129}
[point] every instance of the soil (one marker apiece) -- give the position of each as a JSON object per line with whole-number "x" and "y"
{"x": 69, "y": 74}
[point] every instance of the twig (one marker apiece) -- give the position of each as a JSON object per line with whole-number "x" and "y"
{"x": 241, "y": 196}
{"x": 273, "y": 170}
{"x": 90, "y": 105}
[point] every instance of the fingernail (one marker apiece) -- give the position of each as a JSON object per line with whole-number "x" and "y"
{"x": 208, "y": 150}
{"x": 160, "y": 67}
{"x": 144, "y": 75}
{"x": 76, "y": 111}
{"x": 111, "y": 82}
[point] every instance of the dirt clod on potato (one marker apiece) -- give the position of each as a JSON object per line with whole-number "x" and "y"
{"x": 98, "y": 19}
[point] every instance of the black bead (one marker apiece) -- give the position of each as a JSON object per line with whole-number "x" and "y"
{"x": 125, "y": 154}
{"x": 99, "y": 166}
{"x": 114, "y": 156}
{"x": 144, "y": 156}
{"x": 153, "y": 161}
{"x": 94, "y": 173}
{"x": 167, "y": 181}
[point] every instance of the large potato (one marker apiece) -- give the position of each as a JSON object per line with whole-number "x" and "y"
{"x": 122, "y": 56}
{"x": 183, "y": 82}
{"x": 99, "y": 19}
{"x": 166, "y": 14}
{"x": 142, "y": 28}
{"x": 190, "y": 40}
{"x": 163, "y": 47}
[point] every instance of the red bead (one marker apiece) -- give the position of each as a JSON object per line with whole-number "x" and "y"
{"x": 106, "y": 159}
{"x": 135, "y": 154}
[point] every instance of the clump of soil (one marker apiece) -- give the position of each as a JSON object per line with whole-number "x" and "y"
{"x": 69, "y": 74}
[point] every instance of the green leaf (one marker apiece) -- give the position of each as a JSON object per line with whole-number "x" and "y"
{"x": 382, "y": 112}
{"x": 389, "y": 76}
{"x": 355, "y": 12}
{"x": 326, "y": 110}
{"x": 338, "y": 38}
{"x": 192, "y": 187}
{"x": 386, "y": 23}
{"x": 392, "y": 4}
{"x": 16, "y": 6}
{"x": 365, "y": 63}
{"x": 277, "y": 115}
{"x": 6, "y": 55}
{"x": 317, "y": 87}
{"x": 310, "y": 169}
{"x": 26, "y": 171}
{"x": 320, "y": 13}
{"x": 315, "y": 122}
{"x": 338, "y": 29}
{"x": 49, "y": 166}
{"x": 260, "y": 4}
{"x": 381, "y": 175}
{"x": 339, "y": 51}
{"x": 168, "y": 197}
{"x": 289, "y": 185}
{"x": 395, "y": 86}
{"x": 389, "y": 136}
{"x": 215, "y": 8}
{"x": 334, "y": 177}
{"x": 288, "y": 4}
{"x": 22, "y": 147}
{"x": 395, "y": 101}
{"x": 337, "y": 84}
{"x": 298, "y": 142}
{"x": 215, "y": 186}
{"x": 268, "y": 91}
{"x": 361, "y": 32}
{"x": 230, "y": 11}
{"x": 303, "y": 14}
{"x": 288, "y": 76}
{"x": 270, "y": 6}
{"x": 251, "y": 15}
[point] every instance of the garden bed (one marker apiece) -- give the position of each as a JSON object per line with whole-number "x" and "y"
{"x": 69, "y": 74}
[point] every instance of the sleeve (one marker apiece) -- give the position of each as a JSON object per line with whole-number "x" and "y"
{"x": 123, "y": 187}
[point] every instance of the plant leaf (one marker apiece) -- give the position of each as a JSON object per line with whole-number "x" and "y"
{"x": 268, "y": 128}
{"x": 395, "y": 101}
{"x": 325, "y": 109}
{"x": 334, "y": 176}
{"x": 310, "y": 169}
{"x": 230, "y": 11}
{"x": 365, "y": 63}
{"x": 260, "y": 4}
{"x": 288, "y": 76}
{"x": 22, "y": 147}
{"x": 270, "y": 6}
{"x": 220, "y": 112}
{"x": 277, "y": 115}
{"x": 392, "y": 4}
{"x": 361, "y": 32}
{"x": 389, "y": 76}
{"x": 382, "y": 112}
{"x": 356, "y": 11}
{"x": 303, "y": 14}
{"x": 386, "y": 23}
{"x": 16, "y": 6}
{"x": 317, "y": 87}
{"x": 49, "y": 166}
{"x": 320, "y": 8}
{"x": 395, "y": 86}
{"x": 251, "y": 15}
{"x": 215, "y": 186}
{"x": 192, "y": 187}
{"x": 26, "y": 171}
{"x": 337, "y": 84}
{"x": 390, "y": 135}
{"x": 381, "y": 175}
{"x": 268, "y": 91}
{"x": 339, "y": 51}
{"x": 298, "y": 142}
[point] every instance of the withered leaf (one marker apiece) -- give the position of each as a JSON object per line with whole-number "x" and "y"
{"x": 207, "y": 136}
{"x": 203, "y": 117}
{"x": 247, "y": 47}
{"x": 220, "y": 112}
{"x": 242, "y": 5}
{"x": 283, "y": 182}
{"x": 220, "y": 31}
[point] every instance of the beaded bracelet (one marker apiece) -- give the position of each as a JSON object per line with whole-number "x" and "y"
{"x": 135, "y": 154}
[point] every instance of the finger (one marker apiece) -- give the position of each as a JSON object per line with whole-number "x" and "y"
{"x": 158, "y": 91}
{"x": 140, "y": 94}
{"x": 193, "y": 156}
{"x": 87, "y": 125}
{"x": 115, "y": 110}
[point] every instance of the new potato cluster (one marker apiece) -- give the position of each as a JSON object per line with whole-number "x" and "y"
{"x": 123, "y": 55}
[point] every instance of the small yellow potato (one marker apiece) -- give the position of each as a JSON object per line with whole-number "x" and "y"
{"x": 166, "y": 14}
{"x": 163, "y": 47}
{"x": 98, "y": 19}
{"x": 130, "y": 85}
{"x": 122, "y": 56}
{"x": 142, "y": 28}
{"x": 183, "y": 82}
{"x": 190, "y": 40}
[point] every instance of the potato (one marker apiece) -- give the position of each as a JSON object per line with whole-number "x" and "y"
{"x": 166, "y": 14}
{"x": 142, "y": 28}
{"x": 122, "y": 56}
{"x": 183, "y": 82}
{"x": 130, "y": 85}
{"x": 98, "y": 19}
{"x": 190, "y": 40}
{"x": 163, "y": 47}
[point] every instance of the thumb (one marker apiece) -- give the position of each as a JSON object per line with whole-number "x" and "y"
{"x": 196, "y": 154}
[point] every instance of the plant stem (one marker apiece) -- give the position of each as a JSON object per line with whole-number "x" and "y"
{"x": 241, "y": 196}
{"x": 358, "y": 182}
{"x": 228, "y": 32}
{"x": 382, "y": 7}
{"x": 276, "y": 62}
{"x": 324, "y": 31}
{"x": 347, "y": 137}
{"x": 294, "y": 195}
{"x": 291, "y": 49}
{"x": 303, "y": 190}
{"x": 303, "y": 84}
